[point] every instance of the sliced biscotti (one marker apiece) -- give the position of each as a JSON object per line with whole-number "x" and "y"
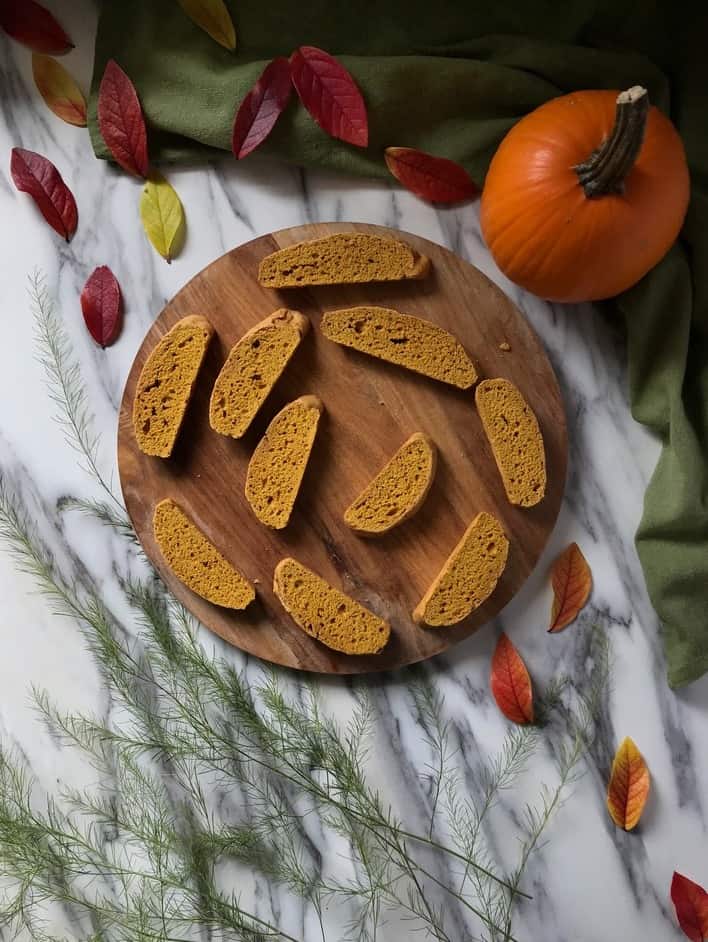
{"x": 278, "y": 464}
{"x": 327, "y": 614}
{"x": 165, "y": 385}
{"x": 402, "y": 339}
{"x": 196, "y": 561}
{"x": 397, "y": 491}
{"x": 469, "y": 576}
{"x": 342, "y": 258}
{"x": 252, "y": 368}
{"x": 516, "y": 440}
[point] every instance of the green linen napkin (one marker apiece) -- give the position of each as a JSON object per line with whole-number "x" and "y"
{"x": 451, "y": 77}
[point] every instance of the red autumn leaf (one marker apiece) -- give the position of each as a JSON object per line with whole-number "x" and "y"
{"x": 261, "y": 108}
{"x": 30, "y": 24}
{"x": 571, "y": 579}
{"x": 628, "y": 788}
{"x": 38, "y": 176}
{"x": 511, "y": 684}
{"x": 330, "y": 94}
{"x": 435, "y": 179}
{"x": 121, "y": 121}
{"x": 101, "y": 306}
{"x": 691, "y": 902}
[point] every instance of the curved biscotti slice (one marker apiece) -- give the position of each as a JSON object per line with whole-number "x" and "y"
{"x": 397, "y": 491}
{"x": 516, "y": 440}
{"x": 326, "y": 613}
{"x": 196, "y": 561}
{"x": 165, "y": 385}
{"x": 404, "y": 340}
{"x": 278, "y": 464}
{"x": 469, "y": 576}
{"x": 252, "y": 368}
{"x": 343, "y": 258}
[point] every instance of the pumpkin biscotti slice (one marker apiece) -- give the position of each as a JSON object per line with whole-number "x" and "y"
{"x": 165, "y": 385}
{"x": 397, "y": 491}
{"x": 252, "y": 368}
{"x": 469, "y": 576}
{"x": 402, "y": 339}
{"x": 277, "y": 467}
{"x": 342, "y": 258}
{"x": 196, "y": 561}
{"x": 516, "y": 440}
{"x": 327, "y": 614}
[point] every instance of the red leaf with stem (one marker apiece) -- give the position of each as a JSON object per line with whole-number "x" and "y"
{"x": 261, "y": 107}
{"x": 101, "y": 306}
{"x": 121, "y": 121}
{"x": 32, "y": 25}
{"x": 34, "y": 174}
{"x": 691, "y": 902}
{"x": 330, "y": 94}
{"x": 435, "y": 179}
{"x": 510, "y": 682}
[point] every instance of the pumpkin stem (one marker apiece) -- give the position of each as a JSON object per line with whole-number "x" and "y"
{"x": 606, "y": 168}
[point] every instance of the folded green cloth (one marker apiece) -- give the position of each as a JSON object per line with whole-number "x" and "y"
{"x": 451, "y": 77}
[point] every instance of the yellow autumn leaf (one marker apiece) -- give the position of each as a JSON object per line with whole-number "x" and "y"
{"x": 59, "y": 90}
{"x": 628, "y": 787}
{"x": 213, "y": 17}
{"x": 162, "y": 216}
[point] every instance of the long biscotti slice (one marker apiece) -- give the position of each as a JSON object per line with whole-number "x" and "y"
{"x": 326, "y": 613}
{"x": 278, "y": 464}
{"x": 516, "y": 440}
{"x": 404, "y": 340}
{"x": 196, "y": 561}
{"x": 397, "y": 491}
{"x": 252, "y": 368}
{"x": 343, "y": 258}
{"x": 469, "y": 576}
{"x": 165, "y": 385}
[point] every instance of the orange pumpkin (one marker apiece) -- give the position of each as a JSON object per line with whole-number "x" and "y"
{"x": 585, "y": 195}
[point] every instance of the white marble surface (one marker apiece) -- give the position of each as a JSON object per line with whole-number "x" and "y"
{"x": 591, "y": 882}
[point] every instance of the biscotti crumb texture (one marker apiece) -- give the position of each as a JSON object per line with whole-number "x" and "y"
{"x": 469, "y": 576}
{"x": 516, "y": 440}
{"x": 397, "y": 491}
{"x": 342, "y": 258}
{"x": 196, "y": 561}
{"x": 252, "y": 368}
{"x": 327, "y": 614}
{"x": 402, "y": 339}
{"x": 165, "y": 385}
{"x": 276, "y": 469}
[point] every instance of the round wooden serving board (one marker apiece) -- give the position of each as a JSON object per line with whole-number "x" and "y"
{"x": 371, "y": 408}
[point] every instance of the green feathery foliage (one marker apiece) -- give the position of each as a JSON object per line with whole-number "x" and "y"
{"x": 207, "y": 777}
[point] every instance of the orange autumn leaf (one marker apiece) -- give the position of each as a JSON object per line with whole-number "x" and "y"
{"x": 691, "y": 903}
{"x": 572, "y": 581}
{"x": 628, "y": 788}
{"x": 511, "y": 684}
{"x": 59, "y": 90}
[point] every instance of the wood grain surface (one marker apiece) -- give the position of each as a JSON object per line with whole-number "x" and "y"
{"x": 371, "y": 408}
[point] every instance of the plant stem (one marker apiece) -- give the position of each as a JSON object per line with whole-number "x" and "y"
{"x": 606, "y": 169}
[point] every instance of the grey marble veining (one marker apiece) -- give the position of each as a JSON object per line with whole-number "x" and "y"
{"x": 591, "y": 882}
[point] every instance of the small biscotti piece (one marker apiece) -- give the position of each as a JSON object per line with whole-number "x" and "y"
{"x": 278, "y": 464}
{"x": 340, "y": 259}
{"x": 326, "y": 613}
{"x": 196, "y": 561}
{"x": 165, "y": 385}
{"x": 397, "y": 491}
{"x": 516, "y": 440}
{"x": 468, "y": 577}
{"x": 252, "y": 368}
{"x": 404, "y": 340}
